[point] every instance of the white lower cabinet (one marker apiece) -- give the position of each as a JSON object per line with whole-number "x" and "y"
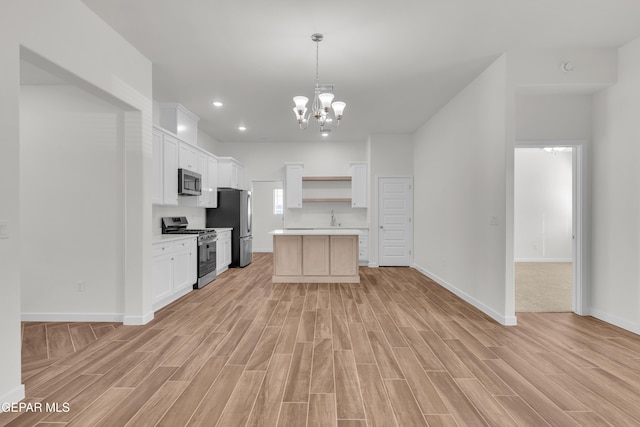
{"x": 363, "y": 247}
{"x": 223, "y": 251}
{"x": 174, "y": 270}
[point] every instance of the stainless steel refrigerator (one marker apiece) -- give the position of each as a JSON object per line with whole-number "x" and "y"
{"x": 234, "y": 210}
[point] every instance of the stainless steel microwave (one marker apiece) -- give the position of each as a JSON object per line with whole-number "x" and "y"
{"x": 189, "y": 183}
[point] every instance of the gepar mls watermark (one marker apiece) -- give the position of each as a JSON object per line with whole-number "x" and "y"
{"x": 22, "y": 407}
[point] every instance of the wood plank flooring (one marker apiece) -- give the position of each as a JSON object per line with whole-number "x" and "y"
{"x": 43, "y": 343}
{"x": 394, "y": 350}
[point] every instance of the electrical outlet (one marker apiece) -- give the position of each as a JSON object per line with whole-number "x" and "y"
{"x": 494, "y": 220}
{"x": 81, "y": 285}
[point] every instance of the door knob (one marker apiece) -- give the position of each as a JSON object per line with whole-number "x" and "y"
{"x": 381, "y": 226}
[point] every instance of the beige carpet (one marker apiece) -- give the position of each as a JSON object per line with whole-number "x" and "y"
{"x": 543, "y": 286}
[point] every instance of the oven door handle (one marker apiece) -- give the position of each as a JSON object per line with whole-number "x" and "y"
{"x": 202, "y": 242}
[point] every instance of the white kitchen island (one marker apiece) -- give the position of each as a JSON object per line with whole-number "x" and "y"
{"x": 316, "y": 255}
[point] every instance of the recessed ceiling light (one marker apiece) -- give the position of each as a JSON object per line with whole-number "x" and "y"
{"x": 325, "y": 134}
{"x": 217, "y": 104}
{"x": 242, "y": 128}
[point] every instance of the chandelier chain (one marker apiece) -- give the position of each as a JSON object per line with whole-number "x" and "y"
{"x": 317, "y": 62}
{"x": 326, "y": 112}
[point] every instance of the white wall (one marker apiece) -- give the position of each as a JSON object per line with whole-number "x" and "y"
{"x": 71, "y": 195}
{"x": 264, "y": 220}
{"x": 553, "y": 116}
{"x": 389, "y": 155}
{"x": 543, "y": 205}
{"x": 460, "y": 166}
{"x": 68, "y": 34}
{"x": 615, "y": 291}
{"x": 265, "y": 162}
{"x": 540, "y": 68}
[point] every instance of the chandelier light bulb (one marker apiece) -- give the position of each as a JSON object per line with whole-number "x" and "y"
{"x": 301, "y": 102}
{"x": 338, "y": 108}
{"x": 325, "y": 100}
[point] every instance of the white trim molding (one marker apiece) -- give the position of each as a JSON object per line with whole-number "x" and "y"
{"x": 616, "y": 321}
{"x": 72, "y": 317}
{"x": 137, "y": 320}
{"x": 503, "y": 320}
{"x": 543, "y": 260}
{"x": 12, "y": 396}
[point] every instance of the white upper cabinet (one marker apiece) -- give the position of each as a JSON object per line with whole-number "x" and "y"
{"x": 189, "y": 157}
{"x": 212, "y": 181}
{"x": 230, "y": 173}
{"x": 359, "y": 187}
{"x": 206, "y": 165}
{"x": 170, "y": 174}
{"x": 165, "y": 168}
{"x": 177, "y": 119}
{"x": 156, "y": 168}
{"x": 293, "y": 185}
{"x": 203, "y": 170}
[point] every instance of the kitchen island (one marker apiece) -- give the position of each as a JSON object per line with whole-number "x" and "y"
{"x": 327, "y": 255}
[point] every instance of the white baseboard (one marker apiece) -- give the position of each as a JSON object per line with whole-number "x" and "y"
{"x": 138, "y": 320}
{"x": 373, "y": 265}
{"x": 543, "y": 260}
{"x": 12, "y": 396}
{"x": 504, "y": 320}
{"x": 614, "y": 320}
{"x": 263, "y": 250}
{"x": 72, "y": 317}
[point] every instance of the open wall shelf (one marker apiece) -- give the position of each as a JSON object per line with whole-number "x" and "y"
{"x": 350, "y": 189}
{"x": 326, "y": 178}
{"x": 327, "y": 199}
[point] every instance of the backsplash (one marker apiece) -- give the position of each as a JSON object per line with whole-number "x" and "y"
{"x": 319, "y": 215}
{"x": 195, "y": 216}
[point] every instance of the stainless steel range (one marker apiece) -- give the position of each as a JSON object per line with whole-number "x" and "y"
{"x": 207, "y": 239}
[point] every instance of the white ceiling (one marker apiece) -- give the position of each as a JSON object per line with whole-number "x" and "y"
{"x": 393, "y": 63}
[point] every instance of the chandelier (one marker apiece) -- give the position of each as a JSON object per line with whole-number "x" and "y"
{"x": 322, "y": 109}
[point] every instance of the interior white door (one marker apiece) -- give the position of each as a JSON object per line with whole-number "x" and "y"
{"x": 395, "y": 221}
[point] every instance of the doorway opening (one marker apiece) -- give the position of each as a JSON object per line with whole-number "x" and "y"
{"x": 546, "y": 220}
{"x": 268, "y": 213}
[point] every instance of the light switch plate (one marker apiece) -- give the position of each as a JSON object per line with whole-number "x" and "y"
{"x": 4, "y": 229}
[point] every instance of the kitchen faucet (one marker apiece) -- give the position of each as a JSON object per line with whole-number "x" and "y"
{"x": 333, "y": 219}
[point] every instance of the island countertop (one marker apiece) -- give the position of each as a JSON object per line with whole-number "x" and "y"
{"x": 316, "y": 232}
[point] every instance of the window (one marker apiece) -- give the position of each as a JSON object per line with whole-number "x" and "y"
{"x": 277, "y": 201}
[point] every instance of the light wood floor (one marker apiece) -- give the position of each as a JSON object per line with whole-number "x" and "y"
{"x": 394, "y": 350}
{"x": 44, "y": 342}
